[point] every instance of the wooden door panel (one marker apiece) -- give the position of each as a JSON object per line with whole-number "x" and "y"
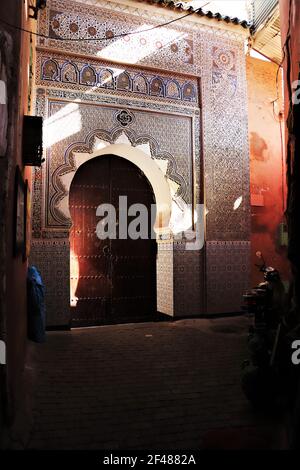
{"x": 134, "y": 288}
{"x": 117, "y": 278}
{"x": 89, "y": 188}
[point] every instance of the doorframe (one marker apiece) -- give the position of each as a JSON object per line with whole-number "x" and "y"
{"x": 163, "y": 199}
{"x": 151, "y": 170}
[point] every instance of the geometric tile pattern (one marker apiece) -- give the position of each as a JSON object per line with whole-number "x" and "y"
{"x": 226, "y": 150}
{"x": 171, "y": 48}
{"x": 169, "y": 139}
{"x": 52, "y": 259}
{"x": 155, "y": 47}
{"x": 165, "y": 279}
{"x": 189, "y": 294}
{"x": 227, "y": 275}
{"x": 72, "y": 73}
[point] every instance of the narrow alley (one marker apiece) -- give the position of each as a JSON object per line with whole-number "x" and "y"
{"x": 149, "y": 228}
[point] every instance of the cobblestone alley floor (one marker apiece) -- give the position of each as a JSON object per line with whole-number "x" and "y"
{"x": 161, "y": 385}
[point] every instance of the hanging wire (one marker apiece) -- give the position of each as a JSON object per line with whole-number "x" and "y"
{"x": 105, "y": 38}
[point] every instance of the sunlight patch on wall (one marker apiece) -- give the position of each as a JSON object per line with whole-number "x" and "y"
{"x": 237, "y": 203}
{"x": 133, "y": 48}
{"x": 63, "y": 124}
{"x": 74, "y": 278}
{"x": 181, "y": 218}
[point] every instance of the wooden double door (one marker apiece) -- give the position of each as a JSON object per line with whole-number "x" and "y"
{"x": 113, "y": 280}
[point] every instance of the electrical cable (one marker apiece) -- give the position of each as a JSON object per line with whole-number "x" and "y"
{"x": 104, "y": 38}
{"x": 290, "y": 123}
{"x": 282, "y": 168}
{"x": 286, "y": 53}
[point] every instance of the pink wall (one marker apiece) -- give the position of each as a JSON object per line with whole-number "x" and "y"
{"x": 267, "y": 166}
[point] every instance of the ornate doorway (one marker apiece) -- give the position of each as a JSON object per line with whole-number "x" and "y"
{"x": 112, "y": 280}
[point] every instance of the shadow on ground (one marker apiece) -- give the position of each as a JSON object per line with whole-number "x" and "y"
{"x": 169, "y": 385}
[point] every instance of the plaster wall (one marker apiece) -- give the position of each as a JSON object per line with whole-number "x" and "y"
{"x": 267, "y": 165}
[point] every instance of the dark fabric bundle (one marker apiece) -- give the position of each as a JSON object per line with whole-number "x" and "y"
{"x": 36, "y": 306}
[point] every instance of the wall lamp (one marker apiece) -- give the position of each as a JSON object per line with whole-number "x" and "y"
{"x": 39, "y": 5}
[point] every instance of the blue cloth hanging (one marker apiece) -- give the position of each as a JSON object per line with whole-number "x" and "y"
{"x": 36, "y": 311}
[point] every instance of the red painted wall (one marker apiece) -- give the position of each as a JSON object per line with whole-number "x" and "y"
{"x": 267, "y": 165}
{"x": 14, "y": 270}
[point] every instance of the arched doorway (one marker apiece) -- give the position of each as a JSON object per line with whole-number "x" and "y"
{"x": 112, "y": 280}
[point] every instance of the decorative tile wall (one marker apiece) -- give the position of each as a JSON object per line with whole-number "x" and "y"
{"x": 189, "y": 292}
{"x": 169, "y": 137}
{"x": 225, "y": 141}
{"x": 227, "y": 275}
{"x": 68, "y": 72}
{"x": 158, "y": 77}
{"x": 169, "y": 48}
{"x": 165, "y": 279}
{"x": 52, "y": 258}
{"x": 172, "y": 48}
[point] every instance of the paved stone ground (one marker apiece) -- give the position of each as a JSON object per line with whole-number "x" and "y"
{"x": 167, "y": 385}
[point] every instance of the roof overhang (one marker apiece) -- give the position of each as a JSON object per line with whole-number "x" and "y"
{"x": 183, "y": 7}
{"x": 267, "y": 36}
